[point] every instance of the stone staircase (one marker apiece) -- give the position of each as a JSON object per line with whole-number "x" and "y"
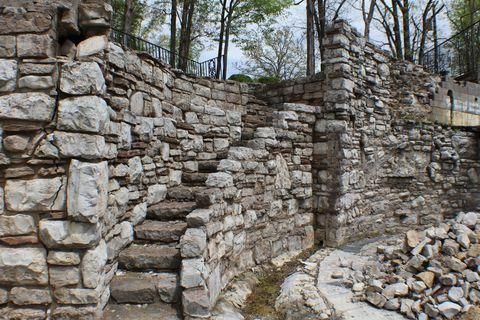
{"x": 149, "y": 269}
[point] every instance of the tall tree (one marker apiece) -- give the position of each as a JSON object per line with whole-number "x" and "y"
{"x": 310, "y": 38}
{"x": 367, "y": 16}
{"x": 128, "y": 16}
{"x": 234, "y": 15}
{"x": 173, "y": 33}
{"x": 274, "y": 52}
{"x": 186, "y": 33}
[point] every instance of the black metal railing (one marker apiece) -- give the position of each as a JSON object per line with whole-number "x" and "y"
{"x": 458, "y": 56}
{"x": 206, "y": 68}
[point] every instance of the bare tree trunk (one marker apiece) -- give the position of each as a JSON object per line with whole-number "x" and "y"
{"x": 127, "y": 18}
{"x": 407, "y": 42}
{"x": 227, "y": 42}
{"x": 185, "y": 33}
{"x": 368, "y": 17}
{"x": 396, "y": 30}
{"x": 221, "y": 39}
{"x": 310, "y": 39}
{"x": 435, "y": 40}
{"x": 173, "y": 34}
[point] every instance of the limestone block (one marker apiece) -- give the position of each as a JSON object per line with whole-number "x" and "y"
{"x": 63, "y": 258}
{"x": 87, "y": 191}
{"x": 87, "y": 113}
{"x": 137, "y": 103}
{"x": 135, "y": 169}
{"x": 64, "y": 276}
{"x": 35, "y": 46}
{"x": 16, "y": 143}
{"x": 156, "y": 193}
{"x": 125, "y": 136}
{"x": 139, "y": 212}
{"x": 79, "y": 78}
{"x": 123, "y": 237}
{"x": 8, "y": 46}
{"x": 23, "y": 313}
{"x": 95, "y": 14}
{"x": 3, "y": 296}
{"x": 23, "y": 266}
{"x": 79, "y": 145}
{"x": 196, "y": 302}
{"x": 28, "y": 296}
{"x": 219, "y": 180}
{"x": 8, "y": 75}
{"x": 19, "y": 20}
{"x": 193, "y": 243}
{"x": 116, "y": 55}
{"x": 265, "y": 132}
{"x": 199, "y": 217}
{"x": 35, "y": 195}
{"x": 16, "y": 225}
{"x": 76, "y": 296}
{"x": 67, "y": 234}
{"x": 168, "y": 287}
{"x": 93, "y": 264}
{"x": 194, "y": 272}
{"x": 31, "y": 106}
{"x": 36, "y": 82}
{"x": 91, "y": 46}
{"x": 2, "y": 202}
{"x": 220, "y": 144}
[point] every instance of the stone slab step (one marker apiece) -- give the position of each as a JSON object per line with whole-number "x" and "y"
{"x": 182, "y": 193}
{"x": 161, "y": 231}
{"x": 157, "y": 311}
{"x": 142, "y": 288}
{"x": 149, "y": 257}
{"x": 168, "y": 211}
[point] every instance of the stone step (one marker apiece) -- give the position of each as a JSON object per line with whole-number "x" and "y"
{"x": 161, "y": 231}
{"x": 182, "y": 193}
{"x": 142, "y": 288}
{"x": 158, "y": 311}
{"x": 168, "y": 211}
{"x": 149, "y": 257}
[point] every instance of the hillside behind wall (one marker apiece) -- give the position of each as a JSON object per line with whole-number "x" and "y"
{"x": 381, "y": 164}
{"x": 96, "y": 138}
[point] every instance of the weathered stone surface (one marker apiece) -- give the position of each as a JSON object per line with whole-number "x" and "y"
{"x": 160, "y": 231}
{"x": 79, "y": 145}
{"x": 8, "y": 46}
{"x": 93, "y": 264}
{"x": 116, "y": 55}
{"x": 123, "y": 237}
{"x": 199, "y": 217}
{"x": 77, "y": 312}
{"x": 168, "y": 287}
{"x": 23, "y": 266}
{"x": 76, "y": 296}
{"x": 449, "y": 309}
{"x": 35, "y": 46}
{"x": 219, "y": 180}
{"x": 18, "y": 20}
{"x": 24, "y": 314}
{"x": 137, "y": 103}
{"x": 63, "y": 258}
{"x": 133, "y": 288}
{"x": 67, "y": 234}
{"x": 156, "y": 193}
{"x": 91, "y": 46}
{"x": 82, "y": 78}
{"x": 194, "y": 273}
{"x": 3, "y": 296}
{"x": 27, "y": 106}
{"x": 193, "y": 243}
{"x": 36, "y": 82}
{"x": 16, "y": 225}
{"x": 196, "y": 303}
{"x": 139, "y": 213}
{"x": 149, "y": 258}
{"x": 135, "y": 169}
{"x": 8, "y": 75}
{"x": 35, "y": 195}
{"x": 64, "y": 276}
{"x": 87, "y": 113}
{"x": 16, "y": 143}
{"x": 87, "y": 191}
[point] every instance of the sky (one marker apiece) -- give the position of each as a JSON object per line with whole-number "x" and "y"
{"x": 295, "y": 18}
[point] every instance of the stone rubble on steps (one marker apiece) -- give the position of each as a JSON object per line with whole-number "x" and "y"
{"x": 431, "y": 274}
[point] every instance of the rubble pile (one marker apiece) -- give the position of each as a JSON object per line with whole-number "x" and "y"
{"x": 431, "y": 274}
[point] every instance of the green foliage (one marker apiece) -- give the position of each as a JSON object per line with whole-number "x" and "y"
{"x": 463, "y": 13}
{"x": 268, "y": 80}
{"x": 241, "y": 78}
{"x": 274, "y": 53}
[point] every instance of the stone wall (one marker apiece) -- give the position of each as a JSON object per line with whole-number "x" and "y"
{"x": 96, "y": 137}
{"x": 380, "y": 163}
